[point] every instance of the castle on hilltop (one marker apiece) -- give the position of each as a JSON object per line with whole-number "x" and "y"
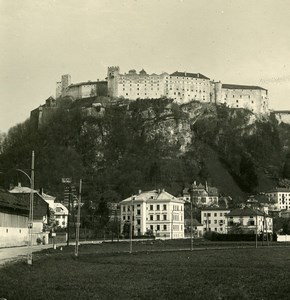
{"x": 182, "y": 87}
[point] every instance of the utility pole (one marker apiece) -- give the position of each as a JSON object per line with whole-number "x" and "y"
{"x": 256, "y": 228}
{"x": 131, "y": 225}
{"x": 191, "y": 225}
{"x": 78, "y": 220}
{"x": 30, "y": 221}
{"x": 68, "y": 217}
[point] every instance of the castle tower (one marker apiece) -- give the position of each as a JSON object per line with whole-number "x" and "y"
{"x": 62, "y": 85}
{"x": 218, "y": 92}
{"x": 113, "y": 74}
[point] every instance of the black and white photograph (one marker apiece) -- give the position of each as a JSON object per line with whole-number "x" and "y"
{"x": 144, "y": 149}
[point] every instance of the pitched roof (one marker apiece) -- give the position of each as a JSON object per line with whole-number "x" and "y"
{"x": 280, "y": 190}
{"x": 185, "y": 74}
{"x": 241, "y": 87}
{"x": 86, "y": 83}
{"x": 244, "y": 212}
{"x": 215, "y": 209}
{"x": 12, "y": 203}
{"x": 152, "y": 196}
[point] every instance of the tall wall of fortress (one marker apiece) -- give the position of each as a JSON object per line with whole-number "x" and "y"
{"x": 183, "y": 87}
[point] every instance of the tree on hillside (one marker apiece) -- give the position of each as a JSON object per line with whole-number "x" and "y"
{"x": 248, "y": 174}
{"x": 286, "y": 167}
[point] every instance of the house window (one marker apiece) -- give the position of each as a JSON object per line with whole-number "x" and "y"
{"x": 139, "y": 222}
{"x": 151, "y": 207}
{"x": 215, "y": 214}
{"x": 138, "y": 211}
{"x": 164, "y": 217}
{"x": 158, "y": 207}
{"x": 164, "y": 227}
{"x": 151, "y": 227}
{"x": 151, "y": 217}
{"x": 164, "y": 207}
{"x": 158, "y": 227}
{"x": 124, "y": 218}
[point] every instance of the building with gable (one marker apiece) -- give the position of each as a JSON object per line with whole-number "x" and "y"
{"x": 59, "y": 210}
{"x": 249, "y": 220}
{"x": 40, "y": 208}
{"x": 154, "y": 211}
{"x": 201, "y": 195}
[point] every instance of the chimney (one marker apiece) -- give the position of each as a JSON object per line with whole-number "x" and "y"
{"x": 19, "y": 184}
{"x": 139, "y": 192}
{"x": 206, "y": 187}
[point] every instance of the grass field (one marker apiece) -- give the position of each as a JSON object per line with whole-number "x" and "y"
{"x": 107, "y": 272}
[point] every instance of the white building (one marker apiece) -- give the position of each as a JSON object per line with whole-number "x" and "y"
{"x": 280, "y": 197}
{"x": 60, "y": 211}
{"x": 184, "y": 87}
{"x": 248, "y": 220}
{"x": 154, "y": 211}
{"x": 214, "y": 219}
{"x": 13, "y": 220}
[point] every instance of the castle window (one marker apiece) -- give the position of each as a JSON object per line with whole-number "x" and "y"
{"x": 233, "y": 96}
{"x": 252, "y": 102}
{"x": 237, "y": 101}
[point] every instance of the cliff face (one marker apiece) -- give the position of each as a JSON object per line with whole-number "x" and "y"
{"x": 148, "y": 144}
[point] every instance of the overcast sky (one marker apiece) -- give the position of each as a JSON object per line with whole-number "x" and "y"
{"x": 242, "y": 42}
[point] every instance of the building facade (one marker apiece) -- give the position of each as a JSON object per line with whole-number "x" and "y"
{"x": 184, "y": 87}
{"x": 155, "y": 212}
{"x": 201, "y": 195}
{"x": 13, "y": 221}
{"x": 80, "y": 90}
{"x": 280, "y": 198}
{"x": 214, "y": 219}
{"x": 248, "y": 220}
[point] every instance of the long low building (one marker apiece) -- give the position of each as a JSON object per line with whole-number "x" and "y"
{"x": 13, "y": 220}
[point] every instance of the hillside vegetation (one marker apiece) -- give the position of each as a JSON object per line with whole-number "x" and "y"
{"x": 147, "y": 144}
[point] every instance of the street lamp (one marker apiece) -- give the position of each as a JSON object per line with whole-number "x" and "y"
{"x": 30, "y": 217}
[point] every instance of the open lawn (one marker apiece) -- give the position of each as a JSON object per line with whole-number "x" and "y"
{"x": 99, "y": 273}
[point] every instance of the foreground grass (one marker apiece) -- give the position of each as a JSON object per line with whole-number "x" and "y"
{"x": 261, "y": 273}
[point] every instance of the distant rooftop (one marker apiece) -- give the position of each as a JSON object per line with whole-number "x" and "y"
{"x": 87, "y": 83}
{"x": 242, "y": 87}
{"x": 185, "y": 74}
